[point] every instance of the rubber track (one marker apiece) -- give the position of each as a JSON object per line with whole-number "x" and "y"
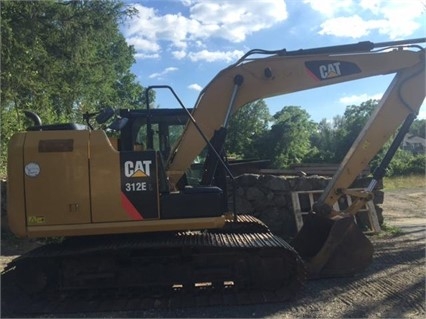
{"x": 86, "y": 301}
{"x": 247, "y": 232}
{"x": 392, "y": 287}
{"x": 135, "y": 299}
{"x": 88, "y": 245}
{"x": 244, "y": 224}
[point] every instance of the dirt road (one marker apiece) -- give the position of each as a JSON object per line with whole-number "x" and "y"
{"x": 392, "y": 287}
{"x": 406, "y": 209}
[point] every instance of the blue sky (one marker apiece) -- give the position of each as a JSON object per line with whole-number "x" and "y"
{"x": 185, "y": 43}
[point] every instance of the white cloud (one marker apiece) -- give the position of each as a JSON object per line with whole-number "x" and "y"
{"x": 146, "y": 56}
{"x": 145, "y": 45}
{"x": 229, "y": 20}
{"x": 195, "y": 87}
{"x": 211, "y": 56}
{"x": 235, "y": 20}
{"x": 179, "y": 54}
{"x": 358, "y": 99}
{"x": 329, "y": 7}
{"x": 354, "y": 26}
{"x": 403, "y": 17}
{"x": 161, "y": 74}
{"x": 371, "y": 5}
{"x": 187, "y": 3}
{"x": 355, "y": 19}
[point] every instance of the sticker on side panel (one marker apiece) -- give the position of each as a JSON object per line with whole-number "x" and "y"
{"x": 328, "y": 69}
{"x": 32, "y": 169}
{"x": 36, "y": 220}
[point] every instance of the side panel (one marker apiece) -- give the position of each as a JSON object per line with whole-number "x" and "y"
{"x": 56, "y": 178}
{"x": 50, "y": 192}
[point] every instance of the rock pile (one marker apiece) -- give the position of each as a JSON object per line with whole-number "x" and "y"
{"x": 268, "y": 198}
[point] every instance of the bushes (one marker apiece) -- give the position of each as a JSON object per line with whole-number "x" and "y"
{"x": 406, "y": 163}
{"x": 417, "y": 165}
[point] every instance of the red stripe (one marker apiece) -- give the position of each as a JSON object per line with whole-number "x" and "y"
{"x": 311, "y": 74}
{"x": 131, "y": 210}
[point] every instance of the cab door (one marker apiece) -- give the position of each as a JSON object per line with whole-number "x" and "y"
{"x": 139, "y": 187}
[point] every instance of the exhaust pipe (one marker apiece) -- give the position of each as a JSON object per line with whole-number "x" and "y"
{"x": 33, "y": 117}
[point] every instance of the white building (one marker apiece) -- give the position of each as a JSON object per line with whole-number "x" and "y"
{"x": 414, "y": 144}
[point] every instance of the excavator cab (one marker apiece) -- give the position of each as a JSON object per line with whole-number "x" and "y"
{"x": 157, "y": 130}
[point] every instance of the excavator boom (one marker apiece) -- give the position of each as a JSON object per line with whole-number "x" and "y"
{"x": 286, "y": 72}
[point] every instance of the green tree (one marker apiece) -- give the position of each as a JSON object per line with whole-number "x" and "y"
{"x": 332, "y": 139}
{"x": 403, "y": 162}
{"x": 323, "y": 140}
{"x": 418, "y": 128}
{"x": 61, "y": 59}
{"x": 351, "y": 124}
{"x": 246, "y": 125}
{"x": 288, "y": 140}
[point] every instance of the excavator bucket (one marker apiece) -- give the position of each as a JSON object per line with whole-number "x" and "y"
{"x": 333, "y": 247}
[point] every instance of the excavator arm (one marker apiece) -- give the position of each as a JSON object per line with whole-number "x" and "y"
{"x": 282, "y": 72}
{"x": 401, "y": 102}
{"x": 329, "y": 241}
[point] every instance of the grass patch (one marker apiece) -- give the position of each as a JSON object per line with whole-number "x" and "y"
{"x": 390, "y": 231}
{"x": 410, "y": 181}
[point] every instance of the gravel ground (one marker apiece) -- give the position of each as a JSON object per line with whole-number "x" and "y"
{"x": 392, "y": 287}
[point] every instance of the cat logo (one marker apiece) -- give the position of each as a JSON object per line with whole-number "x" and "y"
{"x": 322, "y": 70}
{"x": 137, "y": 168}
{"x": 330, "y": 70}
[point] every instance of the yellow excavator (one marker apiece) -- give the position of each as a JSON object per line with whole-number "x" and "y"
{"x": 132, "y": 211}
